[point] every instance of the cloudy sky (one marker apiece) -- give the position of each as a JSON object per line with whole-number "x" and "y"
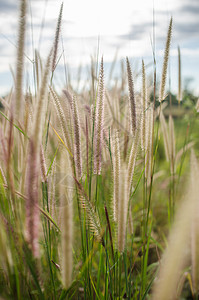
{"x": 117, "y": 26}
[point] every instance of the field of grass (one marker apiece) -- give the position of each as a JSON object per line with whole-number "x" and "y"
{"x": 98, "y": 189}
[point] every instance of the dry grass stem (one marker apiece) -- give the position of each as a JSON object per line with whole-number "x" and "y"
{"x": 179, "y": 76}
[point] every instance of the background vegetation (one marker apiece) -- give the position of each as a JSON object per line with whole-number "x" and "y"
{"x": 98, "y": 198}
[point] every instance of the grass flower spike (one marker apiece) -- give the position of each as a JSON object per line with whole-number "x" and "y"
{"x": 131, "y": 97}
{"x": 122, "y": 209}
{"x": 116, "y": 175}
{"x": 99, "y": 122}
{"x": 165, "y": 63}
{"x": 20, "y": 56}
{"x": 77, "y": 139}
{"x": 57, "y": 35}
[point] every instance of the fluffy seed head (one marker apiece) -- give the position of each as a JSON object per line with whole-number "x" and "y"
{"x": 122, "y": 210}
{"x": 99, "y": 122}
{"x": 20, "y": 56}
{"x": 77, "y": 139}
{"x": 132, "y": 159}
{"x": 116, "y": 174}
{"x": 57, "y": 35}
{"x": 131, "y": 96}
{"x": 61, "y": 117}
{"x": 67, "y": 226}
{"x": 39, "y": 113}
{"x": 32, "y": 211}
{"x": 164, "y": 129}
{"x": 165, "y": 63}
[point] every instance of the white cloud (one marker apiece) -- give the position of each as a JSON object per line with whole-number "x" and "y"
{"x": 124, "y": 25}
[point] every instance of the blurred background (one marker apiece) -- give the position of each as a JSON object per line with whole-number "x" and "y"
{"x": 114, "y": 29}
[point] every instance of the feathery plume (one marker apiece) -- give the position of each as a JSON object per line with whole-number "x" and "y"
{"x": 165, "y": 135}
{"x": 41, "y": 103}
{"x": 77, "y": 139}
{"x": 20, "y": 56}
{"x": 10, "y": 144}
{"x": 195, "y": 223}
{"x": 38, "y": 68}
{"x": 132, "y": 159}
{"x": 32, "y": 210}
{"x": 179, "y": 76}
{"x": 32, "y": 194}
{"x": 116, "y": 175}
{"x": 61, "y": 117}
{"x": 131, "y": 96}
{"x": 68, "y": 97}
{"x": 93, "y": 221}
{"x": 126, "y": 133}
{"x": 165, "y": 63}
{"x": 27, "y": 114}
{"x": 56, "y": 41}
{"x": 67, "y": 230}
{"x": 99, "y": 122}
{"x": 176, "y": 256}
{"x": 122, "y": 210}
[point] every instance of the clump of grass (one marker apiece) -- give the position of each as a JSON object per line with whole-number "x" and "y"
{"x": 32, "y": 188}
{"x": 56, "y": 235}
